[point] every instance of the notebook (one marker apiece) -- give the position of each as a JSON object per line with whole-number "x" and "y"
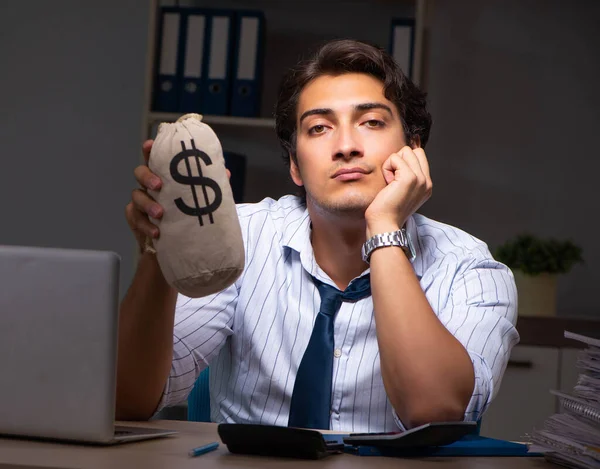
{"x": 58, "y": 345}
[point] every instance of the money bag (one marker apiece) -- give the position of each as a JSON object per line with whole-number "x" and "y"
{"x": 200, "y": 249}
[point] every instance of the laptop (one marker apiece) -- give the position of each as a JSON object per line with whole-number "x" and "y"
{"x": 58, "y": 345}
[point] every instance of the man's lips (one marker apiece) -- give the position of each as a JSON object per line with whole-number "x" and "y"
{"x": 346, "y": 174}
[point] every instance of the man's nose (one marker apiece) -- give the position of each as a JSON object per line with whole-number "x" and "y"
{"x": 348, "y": 144}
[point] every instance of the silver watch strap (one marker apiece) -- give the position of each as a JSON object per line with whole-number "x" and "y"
{"x": 393, "y": 238}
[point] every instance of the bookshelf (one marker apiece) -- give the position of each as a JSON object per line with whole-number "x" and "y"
{"x": 261, "y": 122}
{"x": 294, "y": 28}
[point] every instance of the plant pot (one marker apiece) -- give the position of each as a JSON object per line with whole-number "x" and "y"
{"x": 537, "y": 293}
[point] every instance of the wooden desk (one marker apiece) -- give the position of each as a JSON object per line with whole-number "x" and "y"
{"x": 172, "y": 453}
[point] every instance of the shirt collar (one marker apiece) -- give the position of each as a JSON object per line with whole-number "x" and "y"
{"x": 296, "y": 236}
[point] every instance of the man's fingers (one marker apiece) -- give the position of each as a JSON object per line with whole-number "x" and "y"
{"x": 146, "y": 147}
{"x": 412, "y": 160}
{"x": 424, "y": 163}
{"x": 396, "y": 168}
{"x": 145, "y": 204}
{"x": 143, "y": 225}
{"x": 389, "y": 169}
{"x": 146, "y": 178}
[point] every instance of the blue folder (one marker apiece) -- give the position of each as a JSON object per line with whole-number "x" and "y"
{"x": 248, "y": 57}
{"x": 194, "y": 32}
{"x": 217, "y": 65}
{"x": 470, "y": 445}
{"x": 402, "y": 44}
{"x": 167, "y": 78}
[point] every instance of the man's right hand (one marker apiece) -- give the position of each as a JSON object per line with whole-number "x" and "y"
{"x": 141, "y": 207}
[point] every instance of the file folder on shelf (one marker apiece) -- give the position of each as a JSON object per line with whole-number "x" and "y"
{"x": 194, "y": 30}
{"x": 236, "y": 163}
{"x": 168, "y": 69}
{"x": 402, "y": 40}
{"x": 217, "y": 70}
{"x": 247, "y": 63}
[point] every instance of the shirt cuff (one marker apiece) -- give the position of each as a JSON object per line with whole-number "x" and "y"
{"x": 482, "y": 390}
{"x": 397, "y": 420}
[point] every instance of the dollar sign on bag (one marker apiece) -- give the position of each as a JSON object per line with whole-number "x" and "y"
{"x": 193, "y": 181}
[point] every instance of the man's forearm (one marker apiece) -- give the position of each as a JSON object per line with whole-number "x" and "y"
{"x": 427, "y": 373}
{"x": 145, "y": 341}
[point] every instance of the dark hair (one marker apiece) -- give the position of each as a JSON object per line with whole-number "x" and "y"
{"x": 349, "y": 56}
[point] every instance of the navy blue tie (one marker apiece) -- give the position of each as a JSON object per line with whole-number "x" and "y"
{"x": 311, "y": 398}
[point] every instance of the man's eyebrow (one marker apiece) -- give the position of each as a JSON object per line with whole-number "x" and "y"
{"x": 357, "y": 107}
{"x": 369, "y": 106}
{"x": 313, "y": 112}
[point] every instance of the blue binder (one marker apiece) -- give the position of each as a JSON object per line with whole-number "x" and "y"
{"x": 248, "y": 63}
{"x": 470, "y": 445}
{"x": 217, "y": 70}
{"x": 236, "y": 163}
{"x": 194, "y": 32}
{"x": 168, "y": 64}
{"x": 402, "y": 39}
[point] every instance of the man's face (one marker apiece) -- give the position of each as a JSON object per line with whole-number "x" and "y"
{"x": 346, "y": 129}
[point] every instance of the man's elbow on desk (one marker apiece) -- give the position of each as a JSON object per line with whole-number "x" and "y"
{"x": 426, "y": 412}
{"x": 135, "y": 409}
{"x": 133, "y": 414}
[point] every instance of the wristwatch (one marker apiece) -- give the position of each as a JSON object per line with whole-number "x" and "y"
{"x": 394, "y": 238}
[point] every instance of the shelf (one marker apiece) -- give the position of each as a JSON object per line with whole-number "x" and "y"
{"x": 292, "y": 31}
{"x": 233, "y": 121}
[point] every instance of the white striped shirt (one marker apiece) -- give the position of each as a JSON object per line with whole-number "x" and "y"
{"x": 254, "y": 333}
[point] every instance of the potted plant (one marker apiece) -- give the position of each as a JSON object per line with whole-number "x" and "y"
{"x": 536, "y": 264}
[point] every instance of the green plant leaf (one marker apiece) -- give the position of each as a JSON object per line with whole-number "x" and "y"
{"x": 533, "y": 255}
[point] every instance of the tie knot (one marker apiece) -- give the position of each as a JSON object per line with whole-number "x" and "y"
{"x": 360, "y": 289}
{"x": 331, "y": 297}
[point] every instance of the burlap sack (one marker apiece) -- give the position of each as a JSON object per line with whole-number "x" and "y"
{"x": 200, "y": 249}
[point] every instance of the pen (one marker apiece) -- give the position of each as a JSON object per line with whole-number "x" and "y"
{"x": 203, "y": 449}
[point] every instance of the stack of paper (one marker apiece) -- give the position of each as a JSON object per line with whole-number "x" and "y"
{"x": 572, "y": 437}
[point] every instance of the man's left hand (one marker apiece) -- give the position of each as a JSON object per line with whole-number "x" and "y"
{"x": 408, "y": 187}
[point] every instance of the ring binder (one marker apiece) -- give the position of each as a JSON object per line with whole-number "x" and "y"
{"x": 248, "y": 63}
{"x": 192, "y": 80}
{"x": 578, "y": 406}
{"x": 402, "y": 38}
{"x": 168, "y": 70}
{"x": 217, "y": 69}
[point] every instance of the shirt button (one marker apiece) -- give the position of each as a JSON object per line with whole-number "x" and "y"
{"x": 337, "y": 353}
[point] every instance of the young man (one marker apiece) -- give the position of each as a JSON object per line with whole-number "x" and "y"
{"x": 427, "y": 325}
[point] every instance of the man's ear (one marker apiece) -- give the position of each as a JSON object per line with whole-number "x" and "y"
{"x": 295, "y": 172}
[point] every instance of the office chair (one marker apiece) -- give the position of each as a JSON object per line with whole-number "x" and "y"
{"x": 199, "y": 399}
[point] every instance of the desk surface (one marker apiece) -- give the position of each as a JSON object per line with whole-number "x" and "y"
{"x": 171, "y": 453}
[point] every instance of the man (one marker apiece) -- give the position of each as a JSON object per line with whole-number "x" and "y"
{"x": 429, "y": 343}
